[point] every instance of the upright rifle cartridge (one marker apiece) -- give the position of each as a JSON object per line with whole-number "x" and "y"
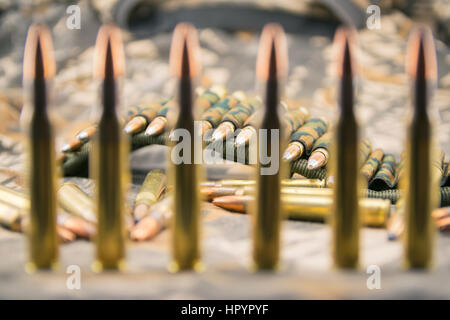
{"x": 109, "y": 156}
{"x": 185, "y": 175}
{"x": 420, "y": 182}
{"x": 266, "y": 210}
{"x": 345, "y": 218}
{"x": 39, "y": 69}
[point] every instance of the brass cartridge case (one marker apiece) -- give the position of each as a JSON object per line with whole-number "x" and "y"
{"x": 374, "y": 212}
{"x": 10, "y": 216}
{"x": 151, "y": 190}
{"x": 109, "y": 156}
{"x": 14, "y": 198}
{"x": 185, "y": 175}
{"x": 306, "y": 183}
{"x": 420, "y": 182}
{"x": 344, "y": 164}
{"x": 266, "y": 211}
{"x": 317, "y": 207}
{"x": 74, "y": 200}
{"x": 39, "y": 69}
{"x": 109, "y": 169}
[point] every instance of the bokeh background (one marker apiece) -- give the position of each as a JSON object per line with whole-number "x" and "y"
{"x": 228, "y": 32}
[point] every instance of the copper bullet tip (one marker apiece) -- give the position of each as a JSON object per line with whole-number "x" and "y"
{"x": 421, "y": 54}
{"x": 185, "y": 52}
{"x": 345, "y": 44}
{"x": 272, "y": 60}
{"x": 233, "y": 203}
{"x": 38, "y": 56}
{"x": 109, "y": 58}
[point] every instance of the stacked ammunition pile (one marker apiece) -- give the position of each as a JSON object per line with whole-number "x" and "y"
{"x": 345, "y": 181}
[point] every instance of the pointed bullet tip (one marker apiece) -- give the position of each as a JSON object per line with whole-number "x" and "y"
{"x": 345, "y": 45}
{"x": 157, "y": 126}
{"x": 109, "y": 57}
{"x": 240, "y": 141}
{"x": 312, "y": 164}
{"x": 219, "y": 201}
{"x": 38, "y": 56}
{"x": 66, "y": 148}
{"x": 217, "y": 135}
{"x": 83, "y": 136}
{"x": 185, "y": 52}
{"x": 272, "y": 60}
{"x": 128, "y": 129}
{"x": 287, "y": 156}
{"x": 293, "y": 151}
{"x": 421, "y": 54}
{"x": 150, "y": 131}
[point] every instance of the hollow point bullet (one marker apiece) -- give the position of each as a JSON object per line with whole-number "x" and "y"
{"x": 38, "y": 71}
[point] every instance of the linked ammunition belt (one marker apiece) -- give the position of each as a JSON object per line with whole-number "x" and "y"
{"x": 76, "y": 164}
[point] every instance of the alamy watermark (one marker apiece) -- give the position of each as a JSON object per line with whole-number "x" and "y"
{"x": 268, "y": 153}
{"x": 73, "y": 281}
{"x": 73, "y": 21}
{"x": 373, "y": 21}
{"x": 374, "y": 280}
